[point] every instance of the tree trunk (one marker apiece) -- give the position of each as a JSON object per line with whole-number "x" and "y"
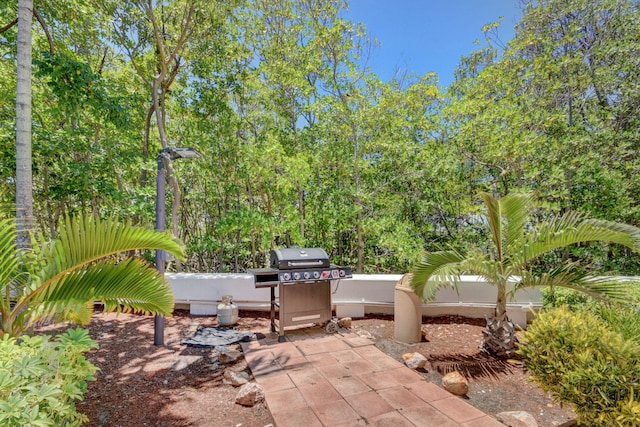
{"x": 24, "y": 177}
{"x": 499, "y": 336}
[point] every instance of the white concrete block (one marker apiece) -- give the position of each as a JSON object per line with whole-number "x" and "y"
{"x": 203, "y": 309}
{"x": 349, "y": 310}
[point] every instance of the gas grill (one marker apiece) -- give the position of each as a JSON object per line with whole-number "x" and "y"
{"x": 303, "y": 278}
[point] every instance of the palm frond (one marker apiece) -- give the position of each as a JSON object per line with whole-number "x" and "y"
{"x": 436, "y": 270}
{"x": 85, "y": 240}
{"x": 8, "y": 259}
{"x": 125, "y": 286}
{"x": 76, "y": 311}
{"x": 516, "y": 210}
{"x": 571, "y": 229}
{"x": 494, "y": 221}
{"x": 568, "y": 275}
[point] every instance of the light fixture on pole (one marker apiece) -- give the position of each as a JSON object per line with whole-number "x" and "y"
{"x": 170, "y": 153}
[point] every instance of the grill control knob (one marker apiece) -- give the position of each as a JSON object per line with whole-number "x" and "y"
{"x": 342, "y": 273}
{"x": 316, "y": 274}
{"x": 286, "y": 276}
{"x": 307, "y": 275}
{"x": 296, "y": 276}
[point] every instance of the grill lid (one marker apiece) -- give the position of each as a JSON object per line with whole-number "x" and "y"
{"x": 292, "y": 258}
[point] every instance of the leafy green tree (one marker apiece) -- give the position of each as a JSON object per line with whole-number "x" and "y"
{"x": 61, "y": 279}
{"x": 516, "y": 243}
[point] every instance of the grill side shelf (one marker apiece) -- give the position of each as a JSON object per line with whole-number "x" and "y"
{"x": 265, "y": 277}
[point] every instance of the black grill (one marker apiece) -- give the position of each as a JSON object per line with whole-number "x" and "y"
{"x": 303, "y": 277}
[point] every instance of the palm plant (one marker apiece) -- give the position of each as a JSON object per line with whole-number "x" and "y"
{"x": 61, "y": 279}
{"x": 515, "y": 244}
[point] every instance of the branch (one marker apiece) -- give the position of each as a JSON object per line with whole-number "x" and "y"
{"x": 45, "y": 29}
{"x": 8, "y": 26}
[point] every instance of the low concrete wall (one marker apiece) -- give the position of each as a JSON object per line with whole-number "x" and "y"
{"x": 355, "y": 297}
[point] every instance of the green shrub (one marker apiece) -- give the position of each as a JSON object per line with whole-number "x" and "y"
{"x": 556, "y": 297}
{"x": 40, "y": 379}
{"x": 583, "y": 361}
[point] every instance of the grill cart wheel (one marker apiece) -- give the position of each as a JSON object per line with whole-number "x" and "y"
{"x": 331, "y": 327}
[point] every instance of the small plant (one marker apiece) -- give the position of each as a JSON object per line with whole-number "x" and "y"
{"x": 41, "y": 379}
{"x": 585, "y": 361}
{"x": 88, "y": 261}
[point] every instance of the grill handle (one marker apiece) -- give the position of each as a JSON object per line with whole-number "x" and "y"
{"x": 305, "y": 263}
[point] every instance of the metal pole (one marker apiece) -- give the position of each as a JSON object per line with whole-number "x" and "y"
{"x": 158, "y": 321}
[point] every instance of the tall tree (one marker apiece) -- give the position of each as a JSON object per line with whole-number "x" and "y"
{"x": 24, "y": 174}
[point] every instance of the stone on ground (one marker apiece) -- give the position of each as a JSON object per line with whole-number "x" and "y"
{"x": 454, "y": 382}
{"x": 236, "y": 379}
{"x": 414, "y": 360}
{"x": 517, "y": 419}
{"x": 250, "y": 394}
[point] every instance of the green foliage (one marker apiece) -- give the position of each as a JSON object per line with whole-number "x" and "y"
{"x": 61, "y": 279}
{"x": 587, "y": 362}
{"x": 41, "y": 379}
{"x": 558, "y": 297}
{"x": 306, "y": 146}
{"x": 516, "y": 243}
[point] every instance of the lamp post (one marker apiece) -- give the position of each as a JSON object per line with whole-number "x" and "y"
{"x": 171, "y": 153}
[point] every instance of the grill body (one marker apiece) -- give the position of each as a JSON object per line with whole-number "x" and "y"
{"x": 303, "y": 279}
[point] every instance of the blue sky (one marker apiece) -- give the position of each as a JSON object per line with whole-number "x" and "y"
{"x": 420, "y": 36}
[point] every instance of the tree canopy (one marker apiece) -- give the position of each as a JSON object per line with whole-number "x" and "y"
{"x": 304, "y": 145}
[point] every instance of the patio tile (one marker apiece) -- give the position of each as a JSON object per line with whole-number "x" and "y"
{"x": 346, "y": 356}
{"x": 368, "y": 352}
{"x": 406, "y": 375}
{"x": 360, "y": 366}
{"x": 427, "y": 416}
{"x": 358, "y": 342}
{"x": 369, "y": 404}
{"x": 457, "y": 409}
{"x": 348, "y": 386}
{"x": 285, "y": 350}
{"x": 296, "y": 418}
{"x": 379, "y": 380}
{"x": 275, "y": 382}
{"x": 334, "y": 371}
{"x": 384, "y": 362}
{"x": 392, "y": 419}
{"x": 399, "y": 397}
{"x": 428, "y": 391}
{"x": 485, "y": 421}
{"x": 264, "y": 368}
{"x": 321, "y": 346}
{"x": 319, "y": 393}
{"x": 294, "y": 363}
{"x": 284, "y": 400}
{"x": 335, "y": 413}
{"x": 306, "y": 377}
{"x": 322, "y": 359}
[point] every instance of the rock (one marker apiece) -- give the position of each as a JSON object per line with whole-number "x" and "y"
{"x": 236, "y": 379}
{"x": 345, "y": 322}
{"x": 517, "y": 419}
{"x": 364, "y": 334}
{"x": 227, "y": 355}
{"x": 250, "y": 394}
{"x": 414, "y": 360}
{"x": 454, "y": 382}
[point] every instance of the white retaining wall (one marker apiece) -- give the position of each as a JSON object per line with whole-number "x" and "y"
{"x": 355, "y": 297}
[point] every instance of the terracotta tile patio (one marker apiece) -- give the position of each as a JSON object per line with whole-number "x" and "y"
{"x": 316, "y": 379}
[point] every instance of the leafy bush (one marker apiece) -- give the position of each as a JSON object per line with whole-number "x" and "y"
{"x": 556, "y": 297}
{"x": 40, "y": 379}
{"x": 587, "y": 362}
